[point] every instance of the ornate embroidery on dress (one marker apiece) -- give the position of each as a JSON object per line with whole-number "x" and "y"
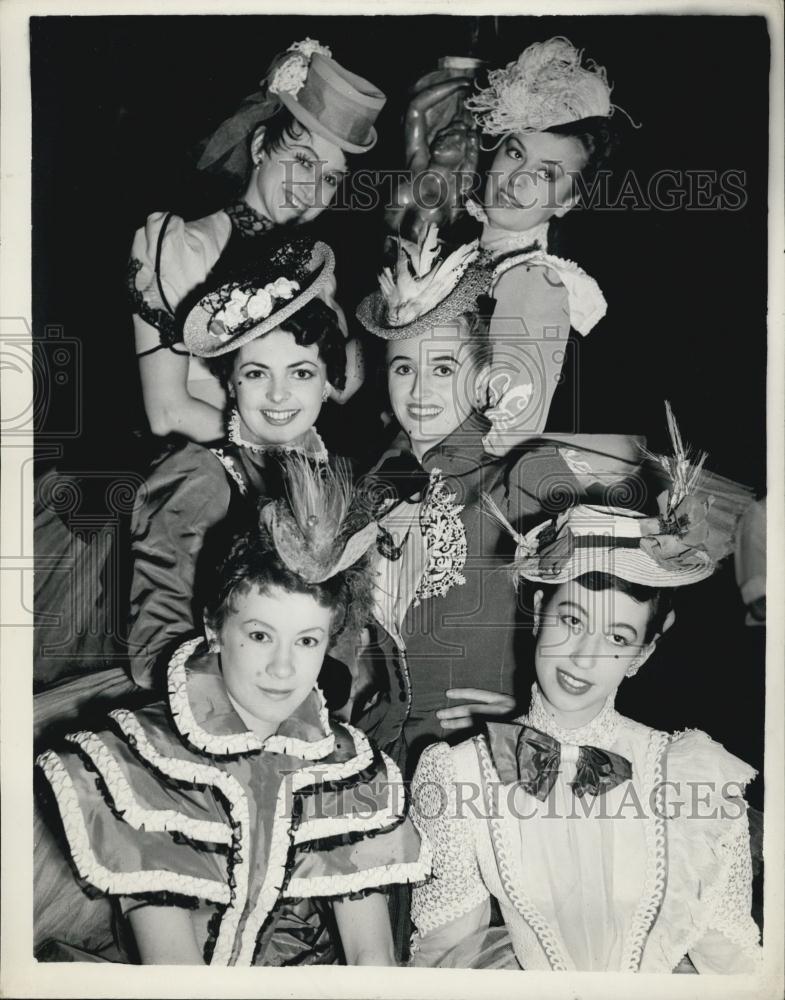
{"x": 231, "y": 468}
{"x": 445, "y": 537}
{"x": 161, "y": 319}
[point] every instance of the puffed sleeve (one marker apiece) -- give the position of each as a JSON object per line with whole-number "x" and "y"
{"x": 169, "y": 258}
{"x": 454, "y": 904}
{"x": 707, "y": 911}
{"x": 183, "y": 498}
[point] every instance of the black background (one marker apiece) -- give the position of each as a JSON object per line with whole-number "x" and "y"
{"x": 119, "y": 104}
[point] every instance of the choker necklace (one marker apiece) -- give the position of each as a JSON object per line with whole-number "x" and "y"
{"x": 601, "y": 731}
{"x": 313, "y": 447}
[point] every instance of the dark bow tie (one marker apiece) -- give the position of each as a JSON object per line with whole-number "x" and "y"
{"x": 539, "y": 758}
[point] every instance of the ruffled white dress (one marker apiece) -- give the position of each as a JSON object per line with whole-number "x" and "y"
{"x": 656, "y": 869}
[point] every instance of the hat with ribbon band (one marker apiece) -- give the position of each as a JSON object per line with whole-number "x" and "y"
{"x": 327, "y": 99}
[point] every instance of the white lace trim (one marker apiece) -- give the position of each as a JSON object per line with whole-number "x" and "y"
{"x": 236, "y": 743}
{"x": 136, "y": 815}
{"x": 656, "y": 871}
{"x": 445, "y": 537}
{"x": 313, "y": 448}
{"x": 328, "y": 826}
{"x": 93, "y": 872}
{"x": 602, "y": 731}
{"x": 509, "y": 870}
{"x": 204, "y": 774}
{"x": 457, "y": 886}
{"x": 729, "y": 901}
{"x": 231, "y": 468}
{"x": 586, "y": 302}
{"x": 342, "y": 885}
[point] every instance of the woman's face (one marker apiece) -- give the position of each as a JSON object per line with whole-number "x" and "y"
{"x": 531, "y": 179}
{"x": 432, "y": 384}
{"x": 295, "y": 183}
{"x": 586, "y": 642}
{"x": 272, "y": 646}
{"x": 278, "y": 386}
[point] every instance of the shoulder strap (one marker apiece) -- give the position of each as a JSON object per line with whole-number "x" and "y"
{"x": 158, "y": 251}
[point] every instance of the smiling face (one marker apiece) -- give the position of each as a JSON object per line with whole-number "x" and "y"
{"x": 297, "y": 181}
{"x": 431, "y": 379}
{"x": 531, "y": 179}
{"x": 279, "y": 388}
{"x": 586, "y": 642}
{"x": 272, "y": 644}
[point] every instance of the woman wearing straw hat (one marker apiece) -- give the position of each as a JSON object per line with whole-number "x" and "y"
{"x": 445, "y": 654}
{"x": 286, "y": 148}
{"x": 277, "y": 350}
{"x": 610, "y": 846}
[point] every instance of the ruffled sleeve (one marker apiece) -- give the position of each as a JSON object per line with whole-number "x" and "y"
{"x": 169, "y": 258}
{"x": 455, "y": 902}
{"x": 184, "y": 497}
{"x": 127, "y": 834}
{"x": 706, "y": 912}
{"x": 355, "y": 836}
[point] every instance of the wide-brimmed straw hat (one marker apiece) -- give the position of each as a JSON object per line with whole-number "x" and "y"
{"x": 586, "y": 539}
{"x": 232, "y": 313}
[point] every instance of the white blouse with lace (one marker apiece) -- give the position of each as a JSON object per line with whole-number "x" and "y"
{"x": 656, "y": 869}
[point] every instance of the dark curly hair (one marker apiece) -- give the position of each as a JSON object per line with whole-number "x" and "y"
{"x": 599, "y": 139}
{"x": 253, "y": 562}
{"x": 316, "y": 323}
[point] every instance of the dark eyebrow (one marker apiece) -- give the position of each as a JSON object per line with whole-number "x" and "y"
{"x": 314, "y": 154}
{"x": 313, "y": 628}
{"x": 299, "y": 364}
{"x": 400, "y": 357}
{"x": 444, "y": 357}
{"x": 572, "y": 604}
{"x": 618, "y": 626}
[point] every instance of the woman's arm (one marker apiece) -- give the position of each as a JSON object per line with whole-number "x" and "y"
{"x": 364, "y": 926}
{"x": 169, "y": 406}
{"x": 164, "y": 935}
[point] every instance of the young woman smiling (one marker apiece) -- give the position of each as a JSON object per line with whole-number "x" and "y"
{"x": 276, "y": 349}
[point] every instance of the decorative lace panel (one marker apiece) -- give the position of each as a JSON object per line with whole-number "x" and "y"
{"x": 156, "y": 316}
{"x": 730, "y": 901}
{"x": 600, "y": 732}
{"x": 313, "y": 446}
{"x": 231, "y": 468}
{"x": 457, "y": 886}
{"x": 246, "y": 220}
{"x": 445, "y": 537}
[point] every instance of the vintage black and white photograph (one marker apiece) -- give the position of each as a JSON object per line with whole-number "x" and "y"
{"x": 387, "y": 540}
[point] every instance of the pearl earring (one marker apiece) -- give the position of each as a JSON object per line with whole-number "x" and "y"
{"x": 326, "y": 392}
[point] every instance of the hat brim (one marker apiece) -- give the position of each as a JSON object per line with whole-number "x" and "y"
{"x": 314, "y": 125}
{"x": 203, "y": 344}
{"x": 632, "y": 565}
{"x": 371, "y": 311}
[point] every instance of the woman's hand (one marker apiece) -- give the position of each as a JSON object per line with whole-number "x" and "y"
{"x": 479, "y": 703}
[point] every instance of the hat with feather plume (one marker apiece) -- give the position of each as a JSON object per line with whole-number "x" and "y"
{"x": 425, "y": 289}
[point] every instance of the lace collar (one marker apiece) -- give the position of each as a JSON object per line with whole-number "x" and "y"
{"x": 600, "y": 732}
{"x": 495, "y": 242}
{"x": 246, "y": 220}
{"x": 312, "y": 445}
{"x": 205, "y": 718}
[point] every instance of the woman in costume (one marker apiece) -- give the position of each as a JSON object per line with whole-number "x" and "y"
{"x": 446, "y": 610}
{"x": 215, "y": 819}
{"x": 609, "y": 845}
{"x": 286, "y": 147}
{"x": 549, "y": 117}
{"x": 276, "y": 349}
